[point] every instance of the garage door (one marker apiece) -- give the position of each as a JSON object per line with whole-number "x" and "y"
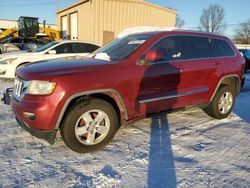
{"x": 73, "y": 26}
{"x": 64, "y": 27}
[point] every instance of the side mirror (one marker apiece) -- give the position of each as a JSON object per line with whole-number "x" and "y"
{"x": 52, "y": 52}
{"x": 152, "y": 56}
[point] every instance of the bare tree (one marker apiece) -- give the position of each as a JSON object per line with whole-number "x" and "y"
{"x": 179, "y": 22}
{"x": 243, "y": 33}
{"x": 213, "y": 19}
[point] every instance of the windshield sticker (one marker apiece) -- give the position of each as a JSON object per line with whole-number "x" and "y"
{"x": 102, "y": 56}
{"x": 136, "y": 42}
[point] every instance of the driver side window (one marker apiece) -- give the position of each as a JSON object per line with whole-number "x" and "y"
{"x": 168, "y": 49}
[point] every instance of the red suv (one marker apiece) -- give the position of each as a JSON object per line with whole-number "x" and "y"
{"x": 88, "y": 98}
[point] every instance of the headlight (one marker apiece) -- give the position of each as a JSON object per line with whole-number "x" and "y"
{"x": 7, "y": 61}
{"x": 41, "y": 87}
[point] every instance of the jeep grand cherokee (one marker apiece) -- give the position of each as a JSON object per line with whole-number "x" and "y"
{"x": 87, "y": 99}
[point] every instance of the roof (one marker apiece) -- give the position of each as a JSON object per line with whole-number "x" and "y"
{"x": 137, "y": 1}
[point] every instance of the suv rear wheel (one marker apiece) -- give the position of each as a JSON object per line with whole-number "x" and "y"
{"x": 222, "y": 103}
{"x": 89, "y": 125}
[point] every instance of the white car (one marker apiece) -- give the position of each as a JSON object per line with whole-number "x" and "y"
{"x": 57, "y": 49}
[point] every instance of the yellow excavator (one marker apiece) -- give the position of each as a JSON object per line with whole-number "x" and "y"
{"x": 29, "y": 27}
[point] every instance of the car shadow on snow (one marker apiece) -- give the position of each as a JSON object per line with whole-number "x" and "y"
{"x": 161, "y": 168}
{"x": 242, "y": 106}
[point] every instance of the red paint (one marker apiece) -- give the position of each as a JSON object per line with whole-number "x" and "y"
{"x": 132, "y": 81}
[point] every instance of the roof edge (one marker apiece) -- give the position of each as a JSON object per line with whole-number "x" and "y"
{"x": 135, "y": 1}
{"x": 158, "y": 6}
{"x": 72, "y": 6}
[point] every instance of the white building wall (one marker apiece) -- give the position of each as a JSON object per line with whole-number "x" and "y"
{"x": 7, "y": 24}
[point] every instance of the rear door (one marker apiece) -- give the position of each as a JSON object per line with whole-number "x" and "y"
{"x": 200, "y": 67}
{"x": 225, "y": 56}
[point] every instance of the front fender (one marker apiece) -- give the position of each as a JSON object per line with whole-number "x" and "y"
{"x": 110, "y": 92}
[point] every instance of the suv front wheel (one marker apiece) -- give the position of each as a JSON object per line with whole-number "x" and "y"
{"x": 222, "y": 103}
{"x": 89, "y": 125}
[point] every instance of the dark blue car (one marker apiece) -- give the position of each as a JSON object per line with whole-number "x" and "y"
{"x": 246, "y": 53}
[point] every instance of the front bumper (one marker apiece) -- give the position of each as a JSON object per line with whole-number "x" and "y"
{"x": 36, "y": 114}
{"x": 46, "y": 135}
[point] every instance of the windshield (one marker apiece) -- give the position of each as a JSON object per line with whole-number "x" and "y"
{"x": 121, "y": 48}
{"x": 46, "y": 46}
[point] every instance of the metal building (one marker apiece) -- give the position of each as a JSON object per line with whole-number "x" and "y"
{"x": 8, "y": 24}
{"x": 101, "y": 21}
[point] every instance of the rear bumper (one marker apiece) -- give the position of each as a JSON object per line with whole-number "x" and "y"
{"x": 42, "y": 134}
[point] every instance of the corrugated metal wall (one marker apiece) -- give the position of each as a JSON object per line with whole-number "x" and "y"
{"x": 117, "y": 15}
{"x": 97, "y": 16}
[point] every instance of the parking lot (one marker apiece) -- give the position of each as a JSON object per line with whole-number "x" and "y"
{"x": 180, "y": 149}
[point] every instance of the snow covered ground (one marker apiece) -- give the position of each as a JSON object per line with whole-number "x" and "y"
{"x": 181, "y": 149}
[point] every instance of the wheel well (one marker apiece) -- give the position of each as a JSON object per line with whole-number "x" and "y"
{"x": 232, "y": 81}
{"x": 96, "y": 95}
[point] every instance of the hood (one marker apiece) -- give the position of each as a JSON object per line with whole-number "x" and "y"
{"x": 59, "y": 67}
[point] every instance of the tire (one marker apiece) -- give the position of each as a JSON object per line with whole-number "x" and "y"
{"x": 89, "y": 125}
{"x": 222, "y": 104}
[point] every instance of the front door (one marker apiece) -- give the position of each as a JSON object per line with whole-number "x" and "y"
{"x": 160, "y": 84}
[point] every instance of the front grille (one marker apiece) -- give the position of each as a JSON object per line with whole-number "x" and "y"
{"x": 20, "y": 87}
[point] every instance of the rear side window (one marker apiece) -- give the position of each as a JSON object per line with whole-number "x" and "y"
{"x": 199, "y": 47}
{"x": 64, "y": 48}
{"x": 85, "y": 48}
{"x": 222, "y": 48}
